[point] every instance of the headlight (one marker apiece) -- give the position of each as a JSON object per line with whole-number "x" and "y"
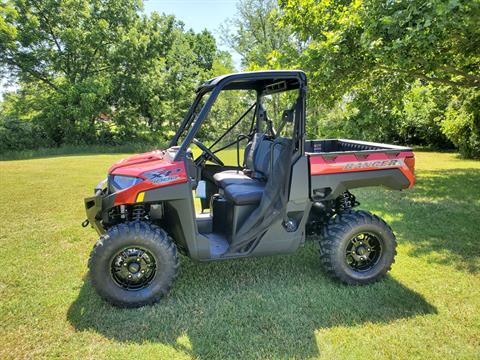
{"x": 121, "y": 182}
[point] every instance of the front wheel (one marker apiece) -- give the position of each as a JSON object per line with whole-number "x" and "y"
{"x": 357, "y": 247}
{"x": 134, "y": 264}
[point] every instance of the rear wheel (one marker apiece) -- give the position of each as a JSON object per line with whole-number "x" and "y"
{"x": 357, "y": 247}
{"x": 134, "y": 264}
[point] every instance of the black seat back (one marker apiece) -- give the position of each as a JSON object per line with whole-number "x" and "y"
{"x": 261, "y": 163}
{"x": 258, "y": 155}
{"x": 252, "y": 149}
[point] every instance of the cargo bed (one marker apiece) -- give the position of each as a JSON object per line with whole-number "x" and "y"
{"x": 337, "y": 165}
{"x": 344, "y": 146}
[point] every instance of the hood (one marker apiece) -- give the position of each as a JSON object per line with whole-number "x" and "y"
{"x": 138, "y": 164}
{"x": 156, "y": 168}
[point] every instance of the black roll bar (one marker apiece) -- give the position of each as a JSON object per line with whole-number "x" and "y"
{"x": 235, "y": 124}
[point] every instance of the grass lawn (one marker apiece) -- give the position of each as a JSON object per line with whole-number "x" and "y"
{"x": 276, "y": 307}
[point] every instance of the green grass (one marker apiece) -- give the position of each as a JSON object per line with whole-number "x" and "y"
{"x": 72, "y": 150}
{"x": 276, "y": 307}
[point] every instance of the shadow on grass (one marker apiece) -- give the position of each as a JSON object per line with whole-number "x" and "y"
{"x": 440, "y": 217}
{"x": 251, "y": 308}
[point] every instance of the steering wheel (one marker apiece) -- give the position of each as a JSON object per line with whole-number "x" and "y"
{"x": 207, "y": 151}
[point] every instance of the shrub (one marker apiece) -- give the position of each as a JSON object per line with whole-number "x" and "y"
{"x": 421, "y": 117}
{"x": 20, "y": 135}
{"x": 462, "y": 123}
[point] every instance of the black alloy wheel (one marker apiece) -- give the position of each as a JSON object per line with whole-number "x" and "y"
{"x": 357, "y": 247}
{"x": 133, "y": 268}
{"x": 363, "y": 251}
{"x": 133, "y": 264}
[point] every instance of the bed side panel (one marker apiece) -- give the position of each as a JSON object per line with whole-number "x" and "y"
{"x": 330, "y": 176}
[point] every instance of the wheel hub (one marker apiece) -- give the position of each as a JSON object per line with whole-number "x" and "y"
{"x": 363, "y": 251}
{"x": 133, "y": 268}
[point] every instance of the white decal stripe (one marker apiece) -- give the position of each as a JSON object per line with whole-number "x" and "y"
{"x": 368, "y": 164}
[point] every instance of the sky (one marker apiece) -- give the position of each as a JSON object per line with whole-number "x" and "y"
{"x": 195, "y": 14}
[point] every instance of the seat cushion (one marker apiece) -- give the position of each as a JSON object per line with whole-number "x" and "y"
{"x": 259, "y": 162}
{"x": 244, "y": 194}
{"x": 229, "y": 177}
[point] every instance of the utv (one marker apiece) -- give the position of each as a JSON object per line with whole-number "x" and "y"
{"x": 284, "y": 189}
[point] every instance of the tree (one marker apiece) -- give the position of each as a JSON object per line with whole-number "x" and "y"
{"x": 254, "y": 33}
{"x": 99, "y": 70}
{"x": 65, "y": 48}
{"x": 353, "y": 43}
{"x": 372, "y": 52}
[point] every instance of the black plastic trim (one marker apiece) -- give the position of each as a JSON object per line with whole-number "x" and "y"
{"x": 340, "y": 182}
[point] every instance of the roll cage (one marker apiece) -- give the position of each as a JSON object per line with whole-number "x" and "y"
{"x": 264, "y": 83}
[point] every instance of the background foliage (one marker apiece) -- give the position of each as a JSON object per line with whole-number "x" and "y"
{"x": 393, "y": 71}
{"x": 98, "y": 71}
{"x": 101, "y": 71}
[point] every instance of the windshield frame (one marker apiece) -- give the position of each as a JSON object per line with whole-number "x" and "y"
{"x": 188, "y": 119}
{"x": 193, "y": 124}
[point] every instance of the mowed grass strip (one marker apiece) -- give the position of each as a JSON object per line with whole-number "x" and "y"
{"x": 276, "y": 307}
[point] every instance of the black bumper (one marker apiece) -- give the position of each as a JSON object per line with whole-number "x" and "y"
{"x": 93, "y": 208}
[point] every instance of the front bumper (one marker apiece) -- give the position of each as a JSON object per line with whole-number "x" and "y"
{"x": 93, "y": 208}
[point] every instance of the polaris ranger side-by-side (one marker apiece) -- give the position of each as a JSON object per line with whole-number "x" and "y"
{"x": 285, "y": 189}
